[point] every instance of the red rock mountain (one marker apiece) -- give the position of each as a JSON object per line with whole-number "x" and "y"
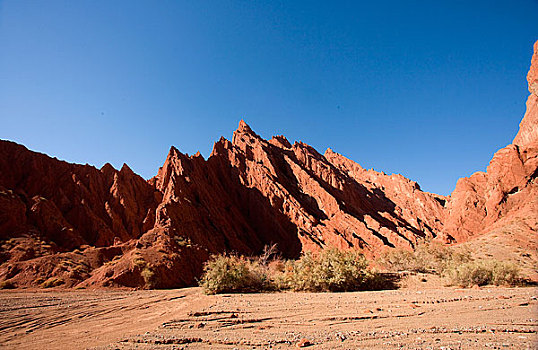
{"x": 507, "y": 192}
{"x": 74, "y": 225}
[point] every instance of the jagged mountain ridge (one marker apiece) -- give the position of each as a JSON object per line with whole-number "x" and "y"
{"x": 250, "y": 192}
{"x": 88, "y": 227}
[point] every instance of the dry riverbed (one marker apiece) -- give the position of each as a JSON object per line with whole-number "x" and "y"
{"x": 441, "y": 318}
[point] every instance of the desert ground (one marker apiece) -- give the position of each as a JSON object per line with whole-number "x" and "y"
{"x": 413, "y": 317}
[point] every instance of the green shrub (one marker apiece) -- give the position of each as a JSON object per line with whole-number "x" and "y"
{"x": 228, "y": 274}
{"x": 506, "y": 273}
{"x": 484, "y": 273}
{"x": 330, "y": 270}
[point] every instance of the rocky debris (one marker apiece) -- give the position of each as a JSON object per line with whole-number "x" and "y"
{"x": 116, "y": 229}
{"x": 303, "y": 343}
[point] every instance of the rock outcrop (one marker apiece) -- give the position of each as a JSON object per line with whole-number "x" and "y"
{"x": 507, "y": 192}
{"x": 75, "y": 225}
{"x": 96, "y": 206}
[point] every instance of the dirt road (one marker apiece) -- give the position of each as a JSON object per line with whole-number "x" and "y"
{"x": 445, "y": 318}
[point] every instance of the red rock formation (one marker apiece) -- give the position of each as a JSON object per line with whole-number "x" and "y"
{"x": 528, "y": 128}
{"x": 508, "y": 191}
{"x": 327, "y": 203}
{"x": 96, "y": 205}
{"x": 250, "y": 192}
{"x": 71, "y": 224}
{"x": 50, "y": 207}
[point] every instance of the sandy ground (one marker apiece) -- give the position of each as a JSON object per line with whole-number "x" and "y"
{"x": 442, "y": 318}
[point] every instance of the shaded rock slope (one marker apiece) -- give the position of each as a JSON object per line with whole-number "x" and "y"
{"x": 73, "y": 225}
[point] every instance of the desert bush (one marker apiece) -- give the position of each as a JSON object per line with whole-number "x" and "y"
{"x": 426, "y": 258}
{"x": 231, "y": 273}
{"x": 52, "y": 282}
{"x": 483, "y": 273}
{"x": 506, "y": 273}
{"x": 330, "y": 270}
{"x": 7, "y": 284}
{"x": 150, "y": 279}
{"x": 398, "y": 260}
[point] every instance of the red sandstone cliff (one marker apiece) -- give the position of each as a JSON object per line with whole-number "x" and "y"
{"x": 507, "y": 192}
{"x": 75, "y": 225}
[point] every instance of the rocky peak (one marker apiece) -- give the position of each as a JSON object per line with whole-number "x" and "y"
{"x": 527, "y": 135}
{"x": 125, "y": 169}
{"x": 280, "y": 141}
{"x": 107, "y": 168}
{"x": 244, "y": 135}
{"x": 508, "y": 189}
{"x": 532, "y": 76}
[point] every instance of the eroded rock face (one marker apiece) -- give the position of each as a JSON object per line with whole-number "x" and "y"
{"x": 325, "y": 199}
{"x": 249, "y": 193}
{"x": 96, "y": 205}
{"x": 50, "y": 208}
{"x": 507, "y": 192}
{"x": 528, "y": 128}
{"x": 74, "y": 225}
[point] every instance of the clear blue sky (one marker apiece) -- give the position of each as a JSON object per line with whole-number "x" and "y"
{"x": 428, "y": 89}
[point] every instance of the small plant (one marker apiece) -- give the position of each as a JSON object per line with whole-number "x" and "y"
{"x": 149, "y": 277}
{"x": 270, "y": 252}
{"x": 138, "y": 261}
{"x": 7, "y": 284}
{"x": 183, "y": 241}
{"x": 52, "y": 282}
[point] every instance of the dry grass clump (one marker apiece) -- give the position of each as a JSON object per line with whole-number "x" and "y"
{"x": 7, "y": 284}
{"x": 484, "y": 273}
{"x": 330, "y": 270}
{"x": 52, "y": 282}
{"x": 147, "y": 271}
{"x": 138, "y": 261}
{"x": 150, "y": 279}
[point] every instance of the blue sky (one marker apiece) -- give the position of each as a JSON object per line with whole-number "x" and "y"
{"x": 428, "y": 89}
